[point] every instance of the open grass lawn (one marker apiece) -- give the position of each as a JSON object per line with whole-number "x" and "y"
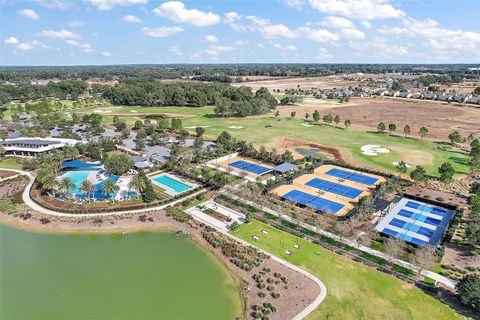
{"x": 354, "y": 291}
{"x": 265, "y": 129}
{"x": 10, "y": 163}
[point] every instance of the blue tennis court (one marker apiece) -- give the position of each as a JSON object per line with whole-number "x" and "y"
{"x": 251, "y": 167}
{"x": 351, "y": 176}
{"x": 335, "y": 188}
{"x": 312, "y": 201}
{"x": 416, "y": 222}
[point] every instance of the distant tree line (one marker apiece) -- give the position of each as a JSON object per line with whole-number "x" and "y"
{"x": 219, "y": 73}
{"x": 229, "y": 101}
{"x": 26, "y": 92}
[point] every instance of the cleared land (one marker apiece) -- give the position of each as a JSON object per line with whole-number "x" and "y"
{"x": 440, "y": 118}
{"x": 265, "y": 130}
{"x": 328, "y": 82}
{"x": 355, "y": 291}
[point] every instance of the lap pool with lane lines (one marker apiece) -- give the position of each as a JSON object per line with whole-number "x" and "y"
{"x": 171, "y": 183}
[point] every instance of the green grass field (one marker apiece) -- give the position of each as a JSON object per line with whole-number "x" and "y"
{"x": 265, "y": 129}
{"x": 354, "y": 291}
{"x": 10, "y": 163}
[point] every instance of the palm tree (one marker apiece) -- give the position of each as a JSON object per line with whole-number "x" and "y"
{"x": 87, "y": 187}
{"x": 137, "y": 183}
{"x": 49, "y": 182}
{"x": 65, "y": 185}
{"x": 109, "y": 187}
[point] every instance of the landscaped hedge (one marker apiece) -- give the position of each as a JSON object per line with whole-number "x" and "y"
{"x": 112, "y": 209}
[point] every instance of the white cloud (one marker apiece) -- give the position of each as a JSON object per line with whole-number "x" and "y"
{"x": 25, "y": 46}
{"x": 358, "y": 9}
{"x": 434, "y": 36}
{"x": 291, "y": 48}
{"x": 352, "y": 34}
{"x": 76, "y": 24}
{"x": 11, "y": 40}
{"x": 241, "y": 42}
{"x": 61, "y": 34}
{"x": 215, "y": 50}
{"x": 366, "y": 24}
{"x": 381, "y": 49}
{"x": 161, "y": 32}
{"x": 85, "y": 47}
{"x": 268, "y": 30}
{"x": 273, "y": 31}
{"x": 296, "y": 4}
{"x": 260, "y": 46}
{"x": 109, "y": 4}
{"x": 176, "y": 11}
{"x": 277, "y": 45}
{"x": 39, "y": 44}
{"x": 176, "y": 50}
{"x": 323, "y": 54}
{"x": 131, "y": 19}
{"x": 29, "y": 13}
{"x": 231, "y": 17}
{"x": 55, "y": 4}
{"x": 337, "y": 22}
{"x": 210, "y": 38}
{"x": 319, "y": 35}
{"x": 106, "y": 54}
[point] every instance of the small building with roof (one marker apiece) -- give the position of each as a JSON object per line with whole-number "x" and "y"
{"x": 284, "y": 168}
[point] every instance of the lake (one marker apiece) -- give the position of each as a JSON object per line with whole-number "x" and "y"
{"x": 144, "y": 275}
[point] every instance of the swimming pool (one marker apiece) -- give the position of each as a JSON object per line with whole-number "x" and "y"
{"x": 171, "y": 183}
{"x": 77, "y": 177}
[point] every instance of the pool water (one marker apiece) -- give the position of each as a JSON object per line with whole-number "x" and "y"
{"x": 77, "y": 178}
{"x": 171, "y": 183}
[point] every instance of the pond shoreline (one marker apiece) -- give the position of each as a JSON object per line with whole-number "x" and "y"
{"x": 296, "y": 299}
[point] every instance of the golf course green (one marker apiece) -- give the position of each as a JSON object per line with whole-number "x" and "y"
{"x": 111, "y": 276}
{"x": 262, "y": 130}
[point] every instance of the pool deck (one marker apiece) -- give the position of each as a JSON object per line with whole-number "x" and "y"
{"x": 171, "y": 191}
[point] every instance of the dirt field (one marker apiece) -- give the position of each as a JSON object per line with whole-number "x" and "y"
{"x": 440, "y": 118}
{"x": 6, "y": 174}
{"x": 328, "y": 82}
{"x": 286, "y": 143}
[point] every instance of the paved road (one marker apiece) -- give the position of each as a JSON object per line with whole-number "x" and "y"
{"x": 435, "y": 276}
{"x": 219, "y": 227}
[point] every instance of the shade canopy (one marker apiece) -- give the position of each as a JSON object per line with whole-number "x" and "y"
{"x": 73, "y": 164}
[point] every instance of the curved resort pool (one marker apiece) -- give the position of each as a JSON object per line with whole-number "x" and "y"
{"x": 78, "y": 176}
{"x": 111, "y": 276}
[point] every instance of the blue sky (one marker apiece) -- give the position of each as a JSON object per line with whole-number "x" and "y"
{"x": 79, "y": 32}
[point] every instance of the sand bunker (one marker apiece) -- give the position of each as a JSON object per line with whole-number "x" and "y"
{"x": 373, "y": 150}
{"x": 236, "y": 127}
{"x": 408, "y": 165}
{"x": 102, "y": 111}
{"x": 193, "y": 127}
{"x": 307, "y": 125}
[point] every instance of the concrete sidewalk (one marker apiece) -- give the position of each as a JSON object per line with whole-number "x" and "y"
{"x": 427, "y": 273}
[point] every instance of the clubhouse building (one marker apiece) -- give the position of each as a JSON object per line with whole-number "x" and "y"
{"x": 31, "y": 147}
